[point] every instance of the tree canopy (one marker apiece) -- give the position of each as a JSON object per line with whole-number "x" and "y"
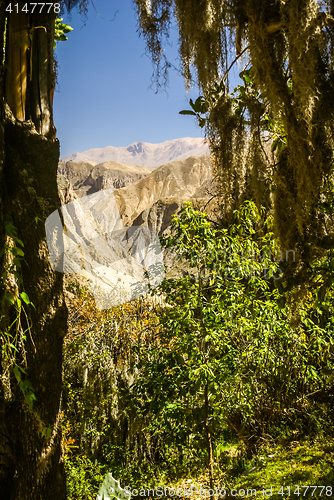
{"x": 286, "y": 49}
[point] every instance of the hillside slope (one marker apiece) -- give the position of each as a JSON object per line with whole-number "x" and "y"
{"x": 109, "y": 231}
{"x": 172, "y": 183}
{"x": 89, "y": 177}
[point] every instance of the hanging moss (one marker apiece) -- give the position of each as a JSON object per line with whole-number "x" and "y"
{"x": 80, "y": 4}
{"x": 154, "y": 24}
{"x": 290, "y": 49}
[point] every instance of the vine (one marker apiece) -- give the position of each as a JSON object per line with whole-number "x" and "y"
{"x": 15, "y": 318}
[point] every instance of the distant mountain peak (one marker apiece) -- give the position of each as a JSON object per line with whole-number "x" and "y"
{"x": 144, "y": 153}
{"x": 136, "y": 148}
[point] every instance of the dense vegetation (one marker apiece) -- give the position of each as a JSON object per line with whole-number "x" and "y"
{"x": 229, "y": 358}
{"x": 244, "y": 354}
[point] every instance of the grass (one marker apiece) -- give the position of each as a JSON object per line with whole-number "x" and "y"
{"x": 301, "y": 463}
{"x": 298, "y": 464}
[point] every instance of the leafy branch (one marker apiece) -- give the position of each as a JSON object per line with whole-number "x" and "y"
{"x": 60, "y": 30}
{"x": 13, "y": 335}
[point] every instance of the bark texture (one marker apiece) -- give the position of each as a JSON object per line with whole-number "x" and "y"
{"x": 31, "y": 466}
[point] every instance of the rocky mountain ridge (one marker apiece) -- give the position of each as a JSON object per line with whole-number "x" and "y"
{"x": 89, "y": 177}
{"x": 144, "y": 153}
{"x": 110, "y": 232}
{"x": 169, "y": 185}
{"x": 143, "y": 195}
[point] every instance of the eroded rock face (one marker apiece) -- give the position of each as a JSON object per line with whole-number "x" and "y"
{"x": 65, "y": 189}
{"x": 101, "y": 178}
{"x": 90, "y": 239}
{"x": 144, "y": 196}
{"x": 145, "y": 201}
{"x": 175, "y": 182}
{"x": 75, "y": 172}
{"x": 88, "y": 177}
{"x": 158, "y": 216}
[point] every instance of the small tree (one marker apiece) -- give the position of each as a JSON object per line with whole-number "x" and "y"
{"x": 228, "y": 354}
{"x": 198, "y": 349}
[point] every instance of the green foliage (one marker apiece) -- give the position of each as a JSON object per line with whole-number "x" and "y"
{"x": 199, "y": 107}
{"x": 25, "y": 386}
{"x": 228, "y": 329}
{"x": 101, "y": 354}
{"x": 84, "y": 477}
{"x": 246, "y": 344}
{"x": 15, "y": 317}
{"x": 237, "y": 350}
{"x": 249, "y": 104}
{"x": 296, "y": 464}
{"x": 60, "y": 30}
{"x": 286, "y": 97}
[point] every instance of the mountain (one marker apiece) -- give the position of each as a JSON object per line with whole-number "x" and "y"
{"x": 172, "y": 184}
{"x": 142, "y": 193}
{"x": 90, "y": 240}
{"x": 88, "y": 177}
{"x": 108, "y": 233}
{"x": 144, "y": 153}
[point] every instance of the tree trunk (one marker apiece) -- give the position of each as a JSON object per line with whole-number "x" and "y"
{"x": 31, "y": 465}
{"x": 208, "y": 435}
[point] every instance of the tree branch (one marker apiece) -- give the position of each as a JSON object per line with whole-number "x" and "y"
{"x": 322, "y": 19}
{"x": 233, "y": 62}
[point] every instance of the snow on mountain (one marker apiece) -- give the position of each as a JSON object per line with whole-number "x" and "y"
{"x": 145, "y": 153}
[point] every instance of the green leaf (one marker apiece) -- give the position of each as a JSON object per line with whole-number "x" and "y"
{"x": 61, "y": 27}
{"x": 247, "y": 75}
{"x": 30, "y": 398}
{"x": 17, "y": 373}
{"x": 47, "y": 431}
{"x": 274, "y": 144}
{"x": 13, "y": 347}
{"x": 9, "y": 297}
{"x": 10, "y": 229}
{"x": 17, "y": 251}
{"x": 187, "y": 112}
{"x": 66, "y": 28}
{"x": 198, "y": 104}
{"x": 204, "y": 108}
{"x": 25, "y": 297}
{"x": 60, "y": 30}
{"x": 61, "y": 38}
{"x": 201, "y": 122}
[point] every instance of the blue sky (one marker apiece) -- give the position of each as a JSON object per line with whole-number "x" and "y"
{"x": 103, "y": 96}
